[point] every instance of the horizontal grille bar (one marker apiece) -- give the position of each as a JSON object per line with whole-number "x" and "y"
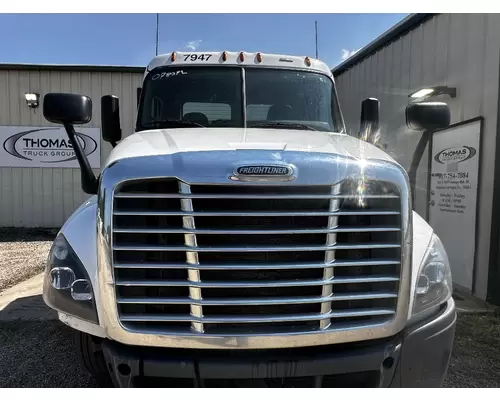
{"x": 360, "y": 263}
{"x": 257, "y": 249}
{"x": 254, "y": 214}
{"x": 257, "y": 301}
{"x": 257, "y": 284}
{"x": 258, "y": 231}
{"x": 249, "y": 196}
{"x": 256, "y": 319}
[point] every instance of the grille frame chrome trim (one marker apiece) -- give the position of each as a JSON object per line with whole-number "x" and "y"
{"x": 222, "y": 162}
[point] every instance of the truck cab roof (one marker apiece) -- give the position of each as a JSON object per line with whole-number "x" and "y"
{"x": 219, "y": 58}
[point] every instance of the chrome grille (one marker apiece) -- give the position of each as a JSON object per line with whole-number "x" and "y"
{"x": 255, "y": 259}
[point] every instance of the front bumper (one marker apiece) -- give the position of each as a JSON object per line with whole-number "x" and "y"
{"x": 417, "y": 357}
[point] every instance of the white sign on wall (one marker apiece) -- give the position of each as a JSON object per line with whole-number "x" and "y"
{"x": 453, "y": 195}
{"x": 31, "y": 146}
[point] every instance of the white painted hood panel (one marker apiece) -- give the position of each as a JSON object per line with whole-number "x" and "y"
{"x": 170, "y": 141}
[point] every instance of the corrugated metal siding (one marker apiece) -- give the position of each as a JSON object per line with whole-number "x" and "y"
{"x": 459, "y": 50}
{"x": 46, "y": 197}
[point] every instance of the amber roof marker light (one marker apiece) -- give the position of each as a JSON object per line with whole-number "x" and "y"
{"x": 173, "y": 56}
{"x": 259, "y": 57}
{"x": 224, "y": 56}
{"x": 308, "y": 61}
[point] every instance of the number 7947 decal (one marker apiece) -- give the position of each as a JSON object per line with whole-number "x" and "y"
{"x": 197, "y": 57}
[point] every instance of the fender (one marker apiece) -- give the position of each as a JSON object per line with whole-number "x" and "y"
{"x": 80, "y": 231}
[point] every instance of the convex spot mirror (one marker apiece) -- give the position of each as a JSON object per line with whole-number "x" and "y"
{"x": 427, "y": 116}
{"x": 67, "y": 108}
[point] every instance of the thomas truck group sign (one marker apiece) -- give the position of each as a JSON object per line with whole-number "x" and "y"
{"x": 28, "y": 146}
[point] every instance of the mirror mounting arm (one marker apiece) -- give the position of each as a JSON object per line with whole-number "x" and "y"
{"x": 415, "y": 162}
{"x": 89, "y": 181}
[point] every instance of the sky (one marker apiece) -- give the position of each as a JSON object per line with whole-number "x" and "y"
{"x": 130, "y": 39}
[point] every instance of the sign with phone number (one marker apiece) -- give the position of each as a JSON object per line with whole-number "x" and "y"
{"x": 453, "y": 195}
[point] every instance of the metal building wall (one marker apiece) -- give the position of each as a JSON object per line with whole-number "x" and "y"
{"x": 458, "y": 50}
{"x": 46, "y": 197}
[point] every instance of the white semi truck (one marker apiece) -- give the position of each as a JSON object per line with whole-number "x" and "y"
{"x": 241, "y": 238}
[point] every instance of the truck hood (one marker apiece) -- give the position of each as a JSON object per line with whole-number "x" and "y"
{"x": 170, "y": 141}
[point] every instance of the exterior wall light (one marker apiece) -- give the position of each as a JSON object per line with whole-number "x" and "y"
{"x": 425, "y": 93}
{"x": 32, "y": 99}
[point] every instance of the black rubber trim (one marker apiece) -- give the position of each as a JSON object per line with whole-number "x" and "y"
{"x": 201, "y": 365}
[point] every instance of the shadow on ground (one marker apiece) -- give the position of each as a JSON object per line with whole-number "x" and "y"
{"x": 31, "y": 308}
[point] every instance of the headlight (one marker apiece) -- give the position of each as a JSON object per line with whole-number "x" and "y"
{"x": 67, "y": 286}
{"x": 434, "y": 283}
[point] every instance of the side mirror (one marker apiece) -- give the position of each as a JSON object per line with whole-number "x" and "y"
{"x": 72, "y": 109}
{"x": 369, "y": 116}
{"x": 67, "y": 108}
{"x": 110, "y": 119}
{"x": 427, "y": 116}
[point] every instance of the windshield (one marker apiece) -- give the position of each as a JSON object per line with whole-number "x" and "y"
{"x": 216, "y": 97}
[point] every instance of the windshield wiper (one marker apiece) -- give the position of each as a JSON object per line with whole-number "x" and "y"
{"x": 173, "y": 122}
{"x": 283, "y": 125}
